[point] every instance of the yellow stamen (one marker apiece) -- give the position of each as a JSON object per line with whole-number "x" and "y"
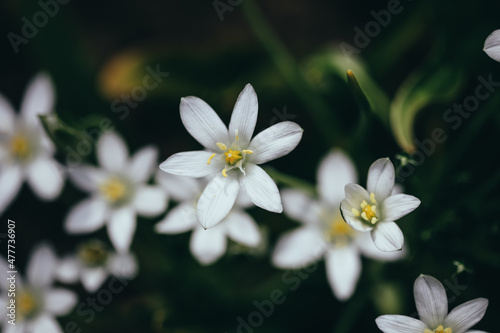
{"x": 428, "y": 331}
{"x": 364, "y": 204}
{"x": 19, "y": 146}
{"x": 368, "y": 214}
{"x": 339, "y": 227}
{"x": 233, "y": 156}
{"x": 355, "y": 212}
{"x": 113, "y": 189}
{"x": 221, "y": 146}
{"x": 224, "y": 172}
{"x": 372, "y": 198}
{"x": 210, "y": 158}
{"x": 248, "y": 151}
{"x": 236, "y": 133}
{"x": 26, "y": 304}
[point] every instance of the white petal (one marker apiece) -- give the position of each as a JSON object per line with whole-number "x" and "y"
{"x": 367, "y": 247}
{"x": 87, "y": 178}
{"x": 45, "y": 324}
{"x": 261, "y": 189}
{"x": 11, "y": 180}
{"x": 179, "y": 219}
{"x": 431, "y": 301}
{"x": 93, "y": 278}
{"x": 397, "y": 206}
{"x": 466, "y": 315}
{"x": 243, "y": 201}
{"x": 112, "y": 153}
{"x": 142, "y": 164}
{"x": 242, "y": 229}
{"x": 381, "y": 178}
{"x": 68, "y": 270}
{"x": 207, "y": 246}
{"x": 202, "y": 122}
{"x": 300, "y": 206}
{"x": 180, "y": 188}
{"x": 85, "y": 217}
{"x": 335, "y": 171}
{"x": 192, "y": 164}
{"x": 492, "y": 45}
{"x": 46, "y": 178}
{"x": 343, "y": 267}
{"x": 7, "y": 116}
{"x": 398, "y": 324}
{"x": 123, "y": 265}
{"x": 41, "y": 266}
{"x": 298, "y": 248}
{"x": 275, "y": 141}
{"x": 121, "y": 228}
{"x": 150, "y": 200}
{"x": 244, "y": 115}
{"x": 388, "y": 237}
{"x": 59, "y": 301}
{"x": 217, "y": 200}
{"x": 38, "y": 99}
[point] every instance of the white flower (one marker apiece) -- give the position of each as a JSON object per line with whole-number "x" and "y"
{"x": 432, "y": 307}
{"x": 376, "y": 210}
{"x": 118, "y": 192}
{"x": 232, "y": 155}
{"x": 207, "y": 245}
{"x": 324, "y": 233}
{"x": 25, "y": 150}
{"x": 37, "y": 302}
{"x": 93, "y": 264}
{"x": 492, "y": 45}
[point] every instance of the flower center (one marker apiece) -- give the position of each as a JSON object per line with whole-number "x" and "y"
{"x": 26, "y": 303}
{"x": 234, "y": 156}
{"x": 114, "y": 189}
{"x": 93, "y": 253}
{"x": 440, "y": 329}
{"x": 337, "y": 231}
{"x": 19, "y": 146}
{"x": 368, "y": 212}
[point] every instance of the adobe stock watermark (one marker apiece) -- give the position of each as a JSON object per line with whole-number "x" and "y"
{"x": 30, "y": 28}
{"x": 453, "y": 116}
{"x": 138, "y": 93}
{"x": 372, "y": 29}
{"x": 281, "y": 116}
{"x": 87, "y": 309}
{"x": 222, "y": 6}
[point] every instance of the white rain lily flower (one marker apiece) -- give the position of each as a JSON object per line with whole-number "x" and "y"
{"x": 432, "y": 307}
{"x": 206, "y": 245}
{"x": 323, "y": 232}
{"x": 25, "y": 150}
{"x": 93, "y": 264}
{"x": 231, "y": 157}
{"x": 36, "y": 301}
{"x": 376, "y": 210}
{"x": 118, "y": 192}
{"x": 492, "y": 45}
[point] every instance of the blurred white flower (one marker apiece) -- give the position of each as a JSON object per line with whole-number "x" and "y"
{"x": 37, "y": 302}
{"x": 93, "y": 264}
{"x": 324, "y": 233}
{"x": 376, "y": 210}
{"x": 118, "y": 192}
{"x": 25, "y": 150}
{"x": 206, "y": 245}
{"x": 492, "y": 45}
{"x": 432, "y": 307}
{"x": 232, "y": 155}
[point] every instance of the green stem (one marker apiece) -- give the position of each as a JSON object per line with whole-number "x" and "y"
{"x": 325, "y": 119}
{"x": 291, "y": 181}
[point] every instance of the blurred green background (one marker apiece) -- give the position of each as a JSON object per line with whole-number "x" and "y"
{"x": 428, "y": 57}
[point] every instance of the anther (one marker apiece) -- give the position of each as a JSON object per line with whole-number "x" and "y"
{"x": 221, "y": 146}
{"x": 210, "y": 159}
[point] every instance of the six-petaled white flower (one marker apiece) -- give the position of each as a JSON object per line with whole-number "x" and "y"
{"x": 324, "y": 233}
{"x": 207, "y": 245}
{"x": 232, "y": 155}
{"x": 376, "y": 210}
{"x": 93, "y": 264}
{"x": 432, "y": 307}
{"x": 492, "y": 45}
{"x": 25, "y": 150}
{"x": 36, "y": 301}
{"x": 118, "y": 192}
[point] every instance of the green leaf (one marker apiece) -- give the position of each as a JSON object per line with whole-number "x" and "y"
{"x": 421, "y": 89}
